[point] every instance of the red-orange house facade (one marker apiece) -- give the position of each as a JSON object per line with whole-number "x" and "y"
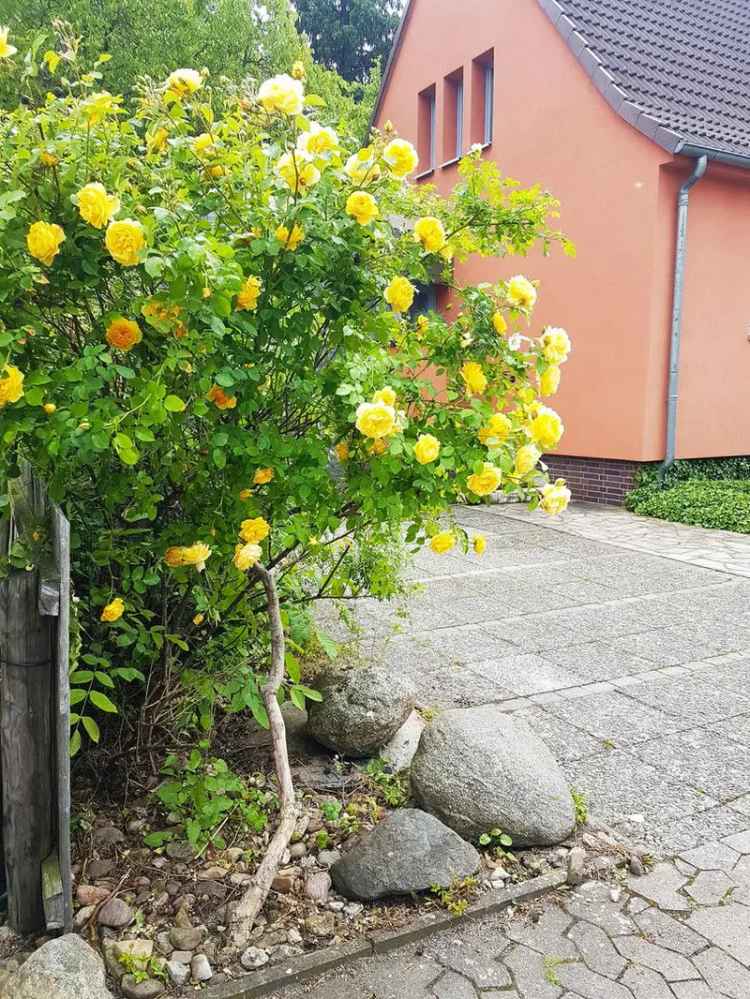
{"x": 636, "y": 115}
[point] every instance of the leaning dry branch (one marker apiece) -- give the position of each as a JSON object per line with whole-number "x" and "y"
{"x": 252, "y": 901}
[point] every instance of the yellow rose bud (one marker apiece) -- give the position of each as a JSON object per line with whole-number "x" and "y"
{"x": 342, "y": 451}
{"x": 400, "y": 294}
{"x": 442, "y": 542}
{"x": 246, "y": 556}
{"x": 298, "y": 70}
{"x": 386, "y": 395}
{"x": 290, "y": 238}
{"x": 48, "y": 159}
{"x": 297, "y": 171}
{"x": 426, "y": 449}
{"x": 546, "y": 428}
{"x": 521, "y": 293}
{"x": 96, "y": 206}
{"x": 498, "y": 321}
{"x": 125, "y": 241}
{"x": 245, "y": 494}
{"x": 555, "y": 498}
{"x": 474, "y": 378}
{"x": 198, "y": 619}
{"x": 11, "y": 385}
{"x": 485, "y": 482}
{"x": 375, "y": 419}
{"x": 188, "y": 555}
{"x": 254, "y": 530}
{"x": 362, "y": 206}
{"x": 49, "y": 408}
{"x": 430, "y": 234}
{"x": 156, "y": 141}
{"x": 113, "y": 610}
{"x": 549, "y": 382}
{"x": 123, "y": 334}
{"x": 479, "y": 543}
{"x": 43, "y": 241}
{"x": 401, "y": 157}
{"x": 249, "y": 293}
{"x": 263, "y": 476}
{"x": 379, "y": 446}
{"x": 282, "y": 93}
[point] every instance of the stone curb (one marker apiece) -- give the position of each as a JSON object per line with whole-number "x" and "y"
{"x": 267, "y": 980}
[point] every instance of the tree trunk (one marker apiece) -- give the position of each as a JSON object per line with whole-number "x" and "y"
{"x": 252, "y": 901}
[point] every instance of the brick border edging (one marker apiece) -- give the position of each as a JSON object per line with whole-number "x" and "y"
{"x": 267, "y": 980}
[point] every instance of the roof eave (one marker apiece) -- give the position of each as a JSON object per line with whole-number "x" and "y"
{"x": 397, "y": 39}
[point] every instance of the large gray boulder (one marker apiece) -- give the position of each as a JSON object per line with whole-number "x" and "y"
{"x": 478, "y": 769}
{"x": 65, "y": 968}
{"x": 408, "y": 851}
{"x": 361, "y": 709}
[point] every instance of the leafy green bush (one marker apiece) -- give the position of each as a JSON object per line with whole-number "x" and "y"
{"x": 723, "y": 504}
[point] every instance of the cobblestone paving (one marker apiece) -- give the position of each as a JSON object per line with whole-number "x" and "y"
{"x": 682, "y": 931}
{"x": 627, "y": 647}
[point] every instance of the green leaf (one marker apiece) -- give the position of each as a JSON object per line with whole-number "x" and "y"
{"x": 310, "y": 694}
{"x": 104, "y": 679}
{"x": 102, "y": 702}
{"x": 173, "y": 404}
{"x": 157, "y": 839}
{"x": 81, "y": 676}
{"x": 92, "y": 729}
{"x": 75, "y": 742}
{"x": 298, "y": 699}
{"x": 76, "y": 696}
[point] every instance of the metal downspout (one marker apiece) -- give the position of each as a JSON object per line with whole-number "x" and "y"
{"x": 679, "y": 286}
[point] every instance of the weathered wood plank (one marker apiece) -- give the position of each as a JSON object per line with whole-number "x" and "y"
{"x": 61, "y": 542}
{"x": 52, "y": 894}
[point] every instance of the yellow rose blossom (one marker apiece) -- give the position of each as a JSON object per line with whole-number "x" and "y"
{"x": 96, "y": 206}
{"x": 426, "y": 449}
{"x": 318, "y": 140}
{"x": 125, "y": 241}
{"x": 546, "y": 428}
{"x": 113, "y": 611}
{"x": 198, "y": 619}
{"x": 442, "y": 542}
{"x": 498, "y": 321}
{"x": 362, "y": 206}
{"x": 422, "y": 325}
{"x": 521, "y": 293}
{"x": 203, "y": 145}
{"x": 49, "y": 408}
{"x": 297, "y": 171}
{"x": 497, "y": 430}
{"x": 290, "y": 239}
{"x": 479, "y": 543}
{"x": 220, "y": 399}
{"x": 98, "y": 106}
{"x": 11, "y": 385}
{"x": 342, "y": 451}
{"x": 156, "y": 141}
{"x": 386, "y": 395}
{"x": 254, "y": 529}
{"x": 298, "y": 70}
{"x": 245, "y": 494}
{"x": 400, "y": 294}
{"x": 188, "y": 555}
{"x": 549, "y": 381}
{"x": 555, "y": 498}
{"x": 182, "y": 83}
{"x": 6, "y": 49}
{"x": 429, "y": 233}
{"x": 376, "y": 419}
{"x": 401, "y": 157}
{"x": 485, "y": 482}
{"x": 43, "y": 241}
{"x": 48, "y": 159}
{"x": 262, "y": 476}
{"x": 526, "y": 458}
{"x": 555, "y": 345}
{"x": 123, "y": 334}
{"x": 247, "y": 297}
{"x": 474, "y": 378}
{"x": 282, "y": 93}
{"x": 246, "y": 556}
{"x": 361, "y": 167}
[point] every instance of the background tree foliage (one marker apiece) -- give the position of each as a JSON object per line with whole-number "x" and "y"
{"x": 350, "y": 35}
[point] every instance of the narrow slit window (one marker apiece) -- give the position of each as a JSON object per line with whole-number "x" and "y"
{"x": 483, "y": 98}
{"x": 426, "y": 130}
{"x": 453, "y": 119}
{"x": 489, "y": 101}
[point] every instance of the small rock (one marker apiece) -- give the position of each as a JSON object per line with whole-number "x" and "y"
{"x": 273, "y": 938}
{"x": 353, "y": 909}
{"x": 576, "y": 862}
{"x": 180, "y": 851}
{"x": 240, "y": 879}
{"x": 336, "y": 906}
{"x": 212, "y": 874}
{"x": 91, "y": 894}
{"x": 614, "y": 894}
{"x": 200, "y": 968}
{"x": 402, "y": 746}
{"x": 183, "y": 956}
{"x": 159, "y": 862}
{"x": 185, "y": 938}
{"x": 297, "y": 850}
{"x": 322, "y": 924}
{"x": 108, "y": 836}
{"x": 253, "y": 958}
{"x": 83, "y": 915}
{"x": 234, "y": 853}
{"x": 41, "y": 973}
{"x": 499, "y": 874}
{"x": 149, "y": 988}
{"x": 318, "y": 885}
{"x": 327, "y": 858}
{"x": 164, "y": 944}
{"x": 294, "y": 937}
{"x": 178, "y": 973}
{"x": 283, "y": 883}
{"x": 161, "y": 901}
{"x": 590, "y": 841}
{"x": 182, "y": 916}
{"x": 116, "y": 914}
{"x": 100, "y": 869}
{"x": 637, "y": 867}
{"x": 136, "y": 826}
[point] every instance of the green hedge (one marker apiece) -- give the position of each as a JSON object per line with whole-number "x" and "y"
{"x": 722, "y": 503}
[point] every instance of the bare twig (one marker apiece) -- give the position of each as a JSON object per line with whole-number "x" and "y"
{"x": 252, "y": 901}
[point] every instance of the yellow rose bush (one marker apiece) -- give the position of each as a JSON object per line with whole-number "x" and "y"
{"x": 211, "y": 351}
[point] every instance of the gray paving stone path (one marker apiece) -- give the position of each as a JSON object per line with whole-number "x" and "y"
{"x": 633, "y": 663}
